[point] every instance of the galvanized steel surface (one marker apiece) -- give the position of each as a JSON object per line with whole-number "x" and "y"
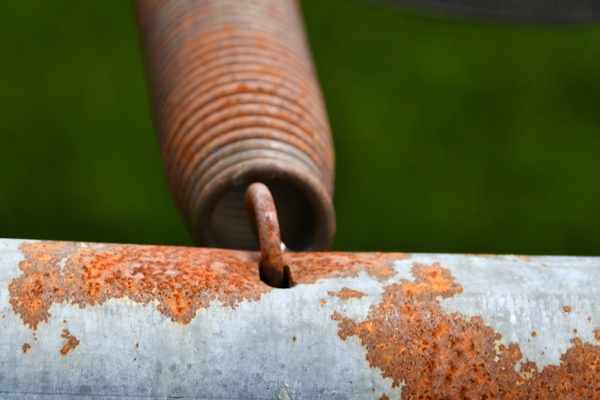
{"x": 236, "y": 100}
{"x": 83, "y": 321}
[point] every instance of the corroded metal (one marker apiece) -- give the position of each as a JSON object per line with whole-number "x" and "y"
{"x": 236, "y": 101}
{"x": 263, "y": 213}
{"x": 123, "y": 321}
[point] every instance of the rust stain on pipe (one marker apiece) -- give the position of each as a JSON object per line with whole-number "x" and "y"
{"x": 437, "y": 355}
{"x": 347, "y": 293}
{"x": 70, "y": 342}
{"x": 236, "y": 101}
{"x": 311, "y": 267}
{"x": 181, "y": 280}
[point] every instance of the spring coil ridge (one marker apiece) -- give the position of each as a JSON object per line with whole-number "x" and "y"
{"x": 236, "y": 100}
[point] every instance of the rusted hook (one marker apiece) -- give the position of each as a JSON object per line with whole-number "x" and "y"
{"x": 263, "y": 216}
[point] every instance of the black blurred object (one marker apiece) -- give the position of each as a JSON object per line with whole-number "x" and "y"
{"x": 531, "y": 11}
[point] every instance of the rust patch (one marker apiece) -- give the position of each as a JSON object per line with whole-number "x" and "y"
{"x": 70, "y": 342}
{"x": 322, "y": 302}
{"x": 567, "y": 309}
{"x": 312, "y": 267}
{"x": 431, "y": 280}
{"x": 347, "y": 293}
{"x": 597, "y": 334}
{"x": 384, "y": 397}
{"x": 26, "y": 347}
{"x": 181, "y": 281}
{"x": 533, "y": 333}
{"x": 435, "y": 354}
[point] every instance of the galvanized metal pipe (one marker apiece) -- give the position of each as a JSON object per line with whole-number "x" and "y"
{"x": 236, "y": 101}
{"x": 90, "y": 321}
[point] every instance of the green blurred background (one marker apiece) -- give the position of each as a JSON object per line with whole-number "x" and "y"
{"x": 451, "y": 136}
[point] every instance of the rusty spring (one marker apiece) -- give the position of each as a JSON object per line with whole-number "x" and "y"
{"x": 236, "y": 101}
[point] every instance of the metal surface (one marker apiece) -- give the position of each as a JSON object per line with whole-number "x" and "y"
{"x": 98, "y": 321}
{"x": 263, "y": 213}
{"x": 536, "y": 11}
{"x": 236, "y": 101}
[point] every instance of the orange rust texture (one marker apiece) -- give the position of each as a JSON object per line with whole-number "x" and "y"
{"x": 347, "y": 293}
{"x": 311, "y": 267}
{"x": 180, "y": 280}
{"x": 597, "y": 334}
{"x": 567, "y": 309}
{"x": 70, "y": 342}
{"x": 26, "y": 347}
{"x": 437, "y": 355}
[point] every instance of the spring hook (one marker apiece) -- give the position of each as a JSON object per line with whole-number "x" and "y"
{"x": 263, "y": 216}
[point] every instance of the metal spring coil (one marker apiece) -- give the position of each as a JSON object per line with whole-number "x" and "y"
{"x": 236, "y": 101}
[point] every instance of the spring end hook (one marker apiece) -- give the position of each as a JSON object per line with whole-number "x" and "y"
{"x": 263, "y": 216}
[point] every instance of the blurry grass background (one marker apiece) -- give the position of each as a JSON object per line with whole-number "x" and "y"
{"x": 451, "y": 135}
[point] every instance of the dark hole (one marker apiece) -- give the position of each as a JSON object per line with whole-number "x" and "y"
{"x": 269, "y": 279}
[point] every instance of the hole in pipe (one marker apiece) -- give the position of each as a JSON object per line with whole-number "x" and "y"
{"x": 270, "y": 279}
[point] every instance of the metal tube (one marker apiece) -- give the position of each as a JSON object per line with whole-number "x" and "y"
{"x": 236, "y": 101}
{"x": 83, "y": 321}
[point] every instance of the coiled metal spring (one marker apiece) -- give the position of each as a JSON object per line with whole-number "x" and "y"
{"x": 236, "y": 101}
